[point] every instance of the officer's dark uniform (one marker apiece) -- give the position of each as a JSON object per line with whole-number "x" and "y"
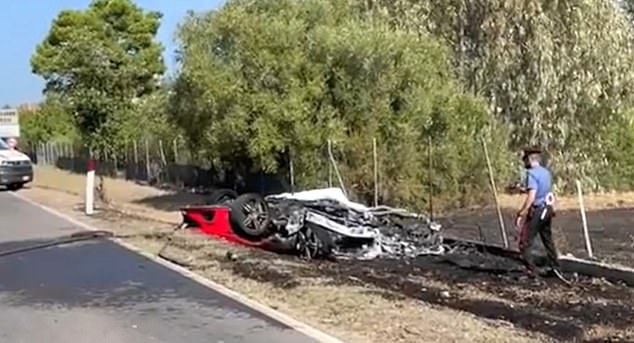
{"x": 539, "y": 218}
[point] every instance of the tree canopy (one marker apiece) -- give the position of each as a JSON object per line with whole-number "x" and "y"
{"x": 261, "y": 83}
{"x": 260, "y": 80}
{"x": 49, "y": 123}
{"x": 558, "y": 73}
{"x": 100, "y": 61}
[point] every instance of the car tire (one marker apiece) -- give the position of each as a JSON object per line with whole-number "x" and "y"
{"x": 221, "y": 196}
{"x": 250, "y": 216}
{"x": 321, "y": 240}
{"x": 15, "y": 186}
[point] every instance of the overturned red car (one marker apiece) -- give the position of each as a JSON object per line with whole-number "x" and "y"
{"x": 313, "y": 224}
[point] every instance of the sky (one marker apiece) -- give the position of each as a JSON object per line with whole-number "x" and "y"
{"x": 23, "y": 24}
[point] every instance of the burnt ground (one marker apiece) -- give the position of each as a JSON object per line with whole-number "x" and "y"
{"x": 486, "y": 286}
{"x": 549, "y": 308}
{"x": 590, "y": 311}
{"x": 611, "y": 231}
{"x": 492, "y": 287}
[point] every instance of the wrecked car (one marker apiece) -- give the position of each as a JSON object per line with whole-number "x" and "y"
{"x": 323, "y": 223}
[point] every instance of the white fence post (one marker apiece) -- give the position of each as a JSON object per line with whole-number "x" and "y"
{"x": 584, "y": 220}
{"x": 90, "y": 187}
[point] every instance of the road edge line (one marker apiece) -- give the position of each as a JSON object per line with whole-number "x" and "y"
{"x": 242, "y": 299}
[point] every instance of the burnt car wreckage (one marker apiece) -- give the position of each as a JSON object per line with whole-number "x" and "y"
{"x": 323, "y": 223}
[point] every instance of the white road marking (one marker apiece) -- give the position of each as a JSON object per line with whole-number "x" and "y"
{"x": 279, "y": 316}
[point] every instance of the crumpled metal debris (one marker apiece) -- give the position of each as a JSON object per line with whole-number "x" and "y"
{"x": 326, "y": 222}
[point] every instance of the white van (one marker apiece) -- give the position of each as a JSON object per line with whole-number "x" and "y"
{"x": 16, "y": 168}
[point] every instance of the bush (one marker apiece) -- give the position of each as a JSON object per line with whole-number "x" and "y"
{"x": 51, "y": 122}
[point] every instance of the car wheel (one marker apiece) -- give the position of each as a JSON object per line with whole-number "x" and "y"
{"x": 250, "y": 216}
{"x": 15, "y": 186}
{"x": 221, "y": 196}
{"x": 315, "y": 242}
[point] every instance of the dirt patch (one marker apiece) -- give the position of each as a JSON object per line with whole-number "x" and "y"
{"x": 421, "y": 300}
{"x": 127, "y": 196}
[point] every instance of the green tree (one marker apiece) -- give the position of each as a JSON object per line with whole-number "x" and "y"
{"x": 557, "y": 72}
{"x": 262, "y": 80}
{"x": 100, "y": 61}
{"x": 50, "y": 122}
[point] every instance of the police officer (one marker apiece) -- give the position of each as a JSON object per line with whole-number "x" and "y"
{"x": 535, "y": 216}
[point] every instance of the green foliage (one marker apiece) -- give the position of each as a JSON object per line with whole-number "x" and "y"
{"x": 556, "y": 72}
{"x": 51, "y": 122}
{"x": 99, "y": 61}
{"x": 262, "y": 80}
{"x": 617, "y": 141}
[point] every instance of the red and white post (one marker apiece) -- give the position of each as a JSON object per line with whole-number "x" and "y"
{"x": 90, "y": 187}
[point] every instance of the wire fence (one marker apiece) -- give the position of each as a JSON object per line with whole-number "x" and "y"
{"x": 602, "y": 233}
{"x": 151, "y": 161}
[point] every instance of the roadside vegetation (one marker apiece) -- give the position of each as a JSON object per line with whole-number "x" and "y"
{"x": 264, "y": 85}
{"x": 261, "y": 83}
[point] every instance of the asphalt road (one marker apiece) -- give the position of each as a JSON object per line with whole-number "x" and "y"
{"x": 100, "y": 292}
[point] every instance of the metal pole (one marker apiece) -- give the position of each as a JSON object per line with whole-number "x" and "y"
{"x": 175, "y": 147}
{"x": 334, "y": 166}
{"x": 329, "y": 165}
{"x": 147, "y": 160}
{"x": 136, "y": 159}
{"x": 376, "y": 173}
{"x": 291, "y": 169}
{"x": 430, "y": 162}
